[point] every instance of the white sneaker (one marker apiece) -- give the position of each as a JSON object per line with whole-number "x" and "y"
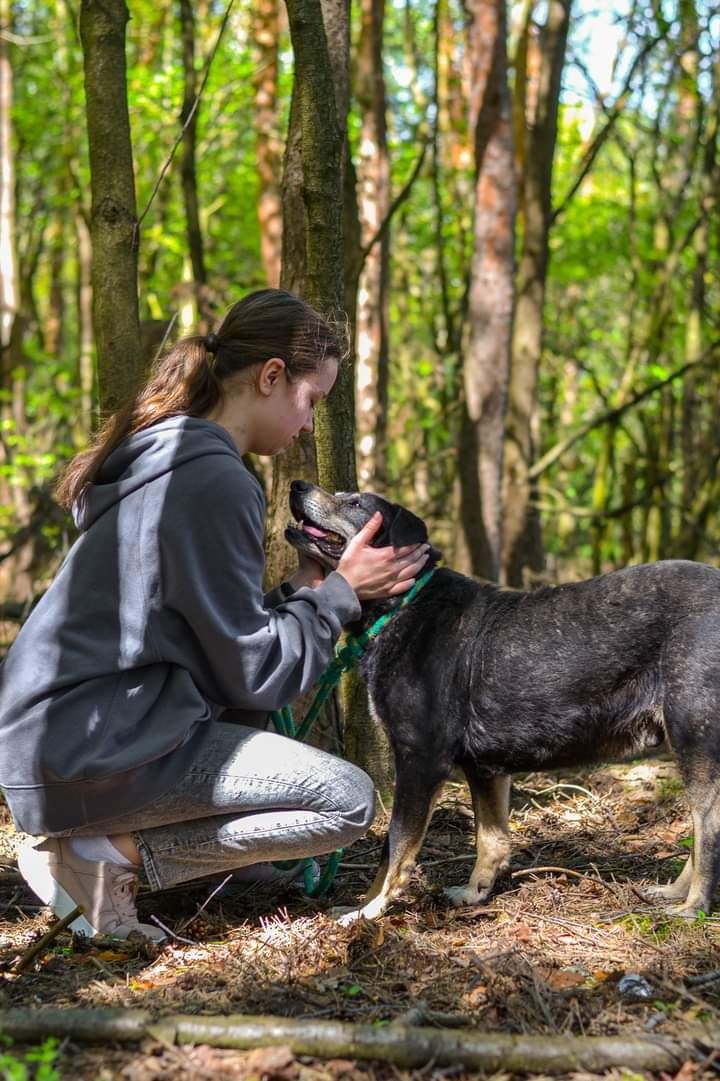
{"x": 63, "y": 880}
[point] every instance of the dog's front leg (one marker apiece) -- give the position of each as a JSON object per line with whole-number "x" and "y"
{"x": 413, "y": 805}
{"x": 491, "y": 801}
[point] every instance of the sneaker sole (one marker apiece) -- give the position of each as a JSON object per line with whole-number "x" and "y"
{"x": 35, "y": 873}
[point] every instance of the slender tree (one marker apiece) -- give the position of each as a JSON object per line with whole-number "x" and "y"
{"x": 486, "y": 354}
{"x": 188, "y": 168}
{"x": 8, "y": 259}
{"x": 313, "y": 246}
{"x": 267, "y": 141}
{"x": 373, "y": 177}
{"x": 520, "y": 542}
{"x": 113, "y": 219}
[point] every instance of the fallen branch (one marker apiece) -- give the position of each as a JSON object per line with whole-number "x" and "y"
{"x": 402, "y": 1045}
{"x": 42, "y": 943}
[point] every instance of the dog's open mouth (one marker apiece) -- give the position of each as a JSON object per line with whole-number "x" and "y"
{"x": 329, "y": 539}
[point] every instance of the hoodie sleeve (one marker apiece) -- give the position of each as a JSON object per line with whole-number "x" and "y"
{"x": 214, "y": 618}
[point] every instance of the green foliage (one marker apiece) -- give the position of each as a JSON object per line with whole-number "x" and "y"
{"x": 631, "y": 295}
{"x": 34, "y": 1064}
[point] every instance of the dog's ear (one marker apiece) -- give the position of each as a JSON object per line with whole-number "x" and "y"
{"x": 404, "y": 527}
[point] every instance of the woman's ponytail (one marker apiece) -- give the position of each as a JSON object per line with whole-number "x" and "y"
{"x": 190, "y": 379}
{"x": 184, "y": 382}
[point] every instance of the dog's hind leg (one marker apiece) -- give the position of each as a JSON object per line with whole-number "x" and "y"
{"x": 676, "y": 890}
{"x": 412, "y": 810}
{"x": 704, "y": 863}
{"x": 491, "y": 801}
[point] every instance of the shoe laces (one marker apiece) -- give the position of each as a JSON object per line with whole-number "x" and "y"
{"x": 124, "y": 890}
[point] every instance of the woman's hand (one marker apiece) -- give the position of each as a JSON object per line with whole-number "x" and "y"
{"x": 309, "y": 573}
{"x": 380, "y": 572}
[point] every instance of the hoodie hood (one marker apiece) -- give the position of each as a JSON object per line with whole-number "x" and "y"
{"x": 147, "y": 455}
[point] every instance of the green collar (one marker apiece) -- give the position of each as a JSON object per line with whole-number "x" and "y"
{"x": 345, "y": 658}
{"x": 356, "y": 644}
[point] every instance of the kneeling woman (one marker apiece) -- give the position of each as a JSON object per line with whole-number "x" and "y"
{"x": 113, "y": 750}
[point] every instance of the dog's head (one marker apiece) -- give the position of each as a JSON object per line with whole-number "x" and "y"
{"x": 326, "y": 522}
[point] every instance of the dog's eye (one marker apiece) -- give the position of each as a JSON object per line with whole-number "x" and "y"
{"x": 354, "y": 503}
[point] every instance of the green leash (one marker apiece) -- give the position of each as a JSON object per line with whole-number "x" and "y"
{"x": 346, "y": 657}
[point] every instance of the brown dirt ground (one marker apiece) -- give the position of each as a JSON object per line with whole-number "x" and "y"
{"x": 544, "y": 956}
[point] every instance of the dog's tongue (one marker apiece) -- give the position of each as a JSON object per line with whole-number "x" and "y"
{"x": 313, "y": 530}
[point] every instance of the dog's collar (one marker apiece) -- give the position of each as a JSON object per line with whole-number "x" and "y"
{"x": 355, "y": 645}
{"x": 374, "y": 630}
{"x": 345, "y": 658}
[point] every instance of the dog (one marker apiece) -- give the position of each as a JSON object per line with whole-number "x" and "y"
{"x": 498, "y": 682}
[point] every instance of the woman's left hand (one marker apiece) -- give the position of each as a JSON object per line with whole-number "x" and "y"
{"x": 309, "y": 573}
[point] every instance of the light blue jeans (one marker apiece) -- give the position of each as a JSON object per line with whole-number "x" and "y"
{"x": 250, "y": 797}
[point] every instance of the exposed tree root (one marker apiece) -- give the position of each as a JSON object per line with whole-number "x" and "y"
{"x": 404, "y": 1046}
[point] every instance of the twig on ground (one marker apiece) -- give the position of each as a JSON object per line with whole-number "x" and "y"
{"x": 704, "y": 977}
{"x": 524, "y": 871}
{"x": 178, "y": 938}
{"x": 678, "y": 990}
{"x": 421, "y": 1014}
{"x": 13, "y": 899}
{"x": 39, "y": 947}
{"x": 560, "y": 785}
{"x": 190, "y": 919}
{"x": 104, "y": 969}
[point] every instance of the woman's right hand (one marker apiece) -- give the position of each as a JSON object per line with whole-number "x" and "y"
{"x": 380, "y": 572}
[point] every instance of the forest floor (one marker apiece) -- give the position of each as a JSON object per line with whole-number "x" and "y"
{"x": 544, "y": 956}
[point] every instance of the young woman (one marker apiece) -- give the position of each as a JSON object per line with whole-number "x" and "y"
{"x": 112, "y": 744}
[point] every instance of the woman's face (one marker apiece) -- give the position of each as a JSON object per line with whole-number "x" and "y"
{"x": 292, "y": 405}
{"x": 265, "y": 412}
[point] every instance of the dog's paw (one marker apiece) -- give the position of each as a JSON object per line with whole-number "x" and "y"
{"x": 344, "y": 914}
{"x": 370, "y": 911}
{"x": 347, "y": 918}
{"x": 686, "y": 911}
{"x": 461, "y": 896}
{"x": 669, "y": 892}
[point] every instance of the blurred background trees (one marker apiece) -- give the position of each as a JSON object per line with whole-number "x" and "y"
{"x": 515, "y": 206}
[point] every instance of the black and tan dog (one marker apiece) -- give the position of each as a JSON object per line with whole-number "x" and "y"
{"x": 498, "y": 682}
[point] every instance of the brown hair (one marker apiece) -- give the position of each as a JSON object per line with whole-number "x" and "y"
{"x": 189, "y": 380}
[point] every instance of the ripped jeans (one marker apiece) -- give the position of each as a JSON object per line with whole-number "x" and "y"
{"x": 251, "y": 797}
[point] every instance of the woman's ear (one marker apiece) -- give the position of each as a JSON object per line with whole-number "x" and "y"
{"x": 269, "y": 375}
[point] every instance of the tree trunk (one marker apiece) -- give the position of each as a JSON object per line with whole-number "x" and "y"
{"x": 520, "y": 543}
{"x": 8, "y": 260}
{"x": 490, "y": 296}
{"x": 188, "y": 171}
{"x": 86, "y": 368}
{"x": 12, "y": 367}
{"x": 372, "y": 332}
{"x": 267, "y": 142}
{"x": 113, "y": 217}
{"x": 313, "y": 258}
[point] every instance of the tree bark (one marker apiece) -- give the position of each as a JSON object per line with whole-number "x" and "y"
{"x": 113, "y": 216}
{"x": 373, "y": 174}
{"x": 313, "y": 256}
{"x": 267, "y": 142}
{"x": 188, "y": 170}
{"x": 486, "y": 358}
{"x": 12, "y": 327}
{"x": 8, "y": 260}
{"x": 520, "y": 542}
{"x": 85, "y": 369}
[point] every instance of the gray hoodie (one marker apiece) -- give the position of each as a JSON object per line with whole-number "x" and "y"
{"x": 154, "y": 624}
